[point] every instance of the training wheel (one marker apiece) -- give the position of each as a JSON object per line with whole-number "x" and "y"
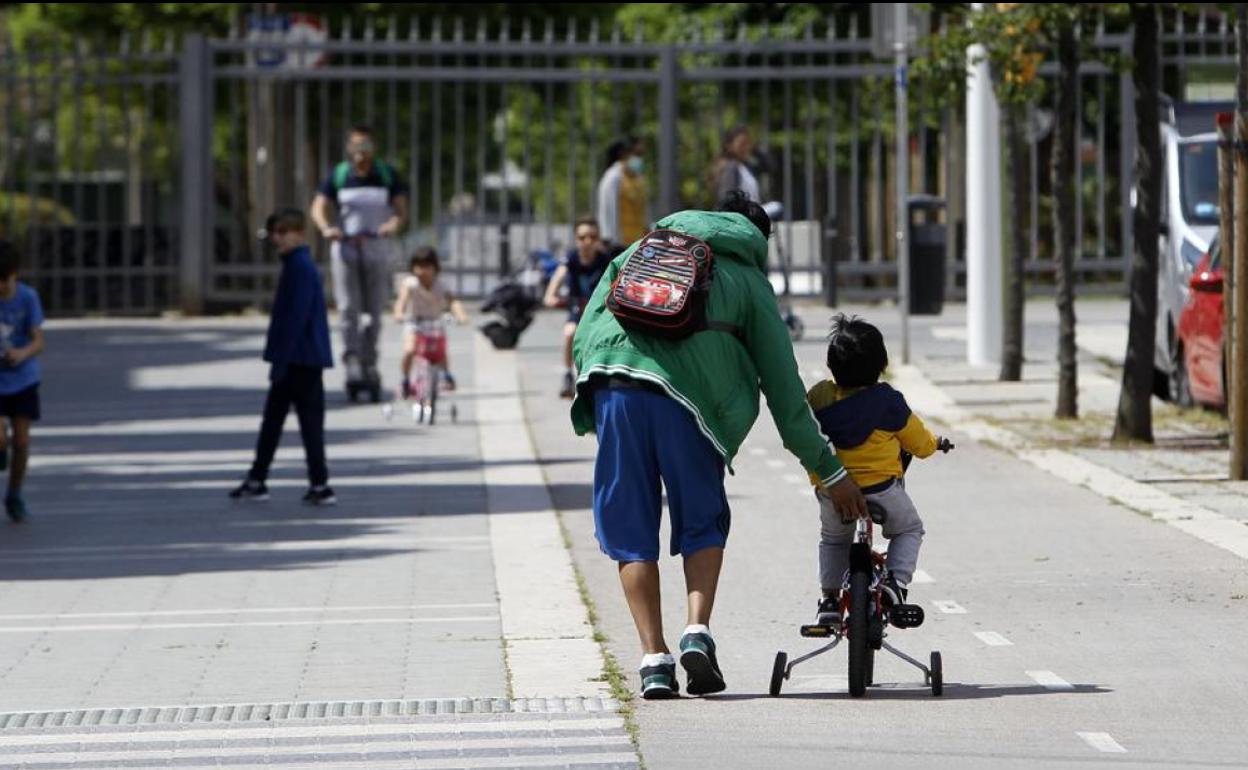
{"x": 779, "y": 673}
{"x": 937, "y": 674}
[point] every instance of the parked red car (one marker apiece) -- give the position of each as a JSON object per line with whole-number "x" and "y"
{"x": 1201, "y": 375}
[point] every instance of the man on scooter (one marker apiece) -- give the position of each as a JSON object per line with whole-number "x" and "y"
{"x": 371, "y": 200}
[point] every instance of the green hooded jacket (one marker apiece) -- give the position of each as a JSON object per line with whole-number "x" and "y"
{"x": 714, "y": 374}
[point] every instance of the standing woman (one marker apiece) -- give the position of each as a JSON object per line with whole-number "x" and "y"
{"x": 731, "y": 170}
{"x": 623, "y": 209}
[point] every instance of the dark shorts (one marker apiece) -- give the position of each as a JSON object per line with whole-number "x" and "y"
{"x": 647, "y": 443}
{"x": 24, "y": 403}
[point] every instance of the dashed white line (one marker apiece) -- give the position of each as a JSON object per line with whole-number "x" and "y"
{"x": 1103, "y": 742}
{"x": 1050, "y": 681}
{"x": 949, "y": 607}
{"x": 921, "y": 576}
{"x": 993, "y": 639}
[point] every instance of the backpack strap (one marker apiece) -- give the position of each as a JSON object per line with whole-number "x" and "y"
{"x": 724, "y": 326}
{"x": 385, "y": 172}
{"x": 341, "y": 172}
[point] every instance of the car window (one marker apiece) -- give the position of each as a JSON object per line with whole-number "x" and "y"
{"x": 1198, "y": 182}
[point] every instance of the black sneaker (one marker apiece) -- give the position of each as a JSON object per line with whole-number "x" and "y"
{"x": 250, "y": 489}
{"x": 569, "y": 386}
{"x": 697, "y": 656}
{"x": 4, "y": 459}
{"x": 659, "y": 682}
{"x": 892, "y": 592}
{"x": 15, "y": 507}
{"x": 829, "y": 613}
{"x": 321, "y": 495}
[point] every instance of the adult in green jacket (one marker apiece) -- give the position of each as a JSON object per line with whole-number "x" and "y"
{"x": 677, "y": 411}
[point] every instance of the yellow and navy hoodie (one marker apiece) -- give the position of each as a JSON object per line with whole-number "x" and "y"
{"x": 870, "y": 427}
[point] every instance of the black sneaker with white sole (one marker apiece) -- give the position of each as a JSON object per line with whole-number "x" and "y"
{"x": 250, "y": 489}
{"x": 659, "y": 682}
{"x": 697, "y": 656}
{"x": 321, "y": 495}
{"x": 892, "y": 592}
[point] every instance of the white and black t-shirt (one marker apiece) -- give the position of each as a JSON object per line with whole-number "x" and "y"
{"x": 364, "y": 202}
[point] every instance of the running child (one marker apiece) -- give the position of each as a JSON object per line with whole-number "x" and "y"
{"x": 21, "y": 342}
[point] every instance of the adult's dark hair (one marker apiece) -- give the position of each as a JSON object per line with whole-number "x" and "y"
{"x": 586, "y": 220}
{"x": 285, "y": 219}
{"x": 10, "y": 259}
{"x": 619, "y": 148}
{"x": 856, "y": 353}
{"x": 730, "y": 136}
{"x": 738, "y": 202}
{"x": 426, "y": 255}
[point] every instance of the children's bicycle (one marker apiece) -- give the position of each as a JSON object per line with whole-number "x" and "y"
{"x": 864, "y": 616}
{"x": 428, "y": 376}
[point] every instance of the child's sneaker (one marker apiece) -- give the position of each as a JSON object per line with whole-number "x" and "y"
{"x": 892, "y": 592}
{"x": 15, "y": 506}
{"x": 321, "y": 495}
{"x": 250, "y": 489}
{"x": 829, "y": 613}
{"x": 658, "y": 677}
{"x": 697, "y": 656}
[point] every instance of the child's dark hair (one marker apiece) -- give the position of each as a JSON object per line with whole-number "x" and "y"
{"x": 10, "y": 259}
{"x": 856, "y": 353}
{"x": 425, "y": 255}
{"x": 738, "y": 202}
{"x": 285, "y": 219}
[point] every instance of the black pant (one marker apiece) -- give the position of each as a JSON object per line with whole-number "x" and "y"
{"x": 301, "y": 387}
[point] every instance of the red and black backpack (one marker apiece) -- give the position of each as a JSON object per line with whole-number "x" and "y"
{"x": 663, "y": 286}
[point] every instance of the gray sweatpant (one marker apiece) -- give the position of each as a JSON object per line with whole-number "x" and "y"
{"x": 903, "y": 528}
{"x": 362, "y": 283}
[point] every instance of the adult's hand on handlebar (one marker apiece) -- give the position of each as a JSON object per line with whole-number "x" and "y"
{"x": 332, "y": 233}
{"x": 847, "y": 498}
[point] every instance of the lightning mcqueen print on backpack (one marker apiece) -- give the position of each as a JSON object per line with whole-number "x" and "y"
{"x": 663, "y": 285}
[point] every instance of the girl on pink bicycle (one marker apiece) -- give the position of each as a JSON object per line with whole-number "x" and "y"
{"x": 423, "y": 300}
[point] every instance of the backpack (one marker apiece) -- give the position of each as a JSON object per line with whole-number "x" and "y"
{"x": 662, "y": 287}
{"x": 343, "y": 170}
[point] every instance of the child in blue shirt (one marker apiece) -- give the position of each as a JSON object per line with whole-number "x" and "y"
{"x": 21, "y": 341}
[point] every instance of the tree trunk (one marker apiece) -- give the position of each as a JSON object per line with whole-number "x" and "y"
{"x": 1063, "y": 178}
{"x": 1015, "y": 279}
{"x": 1135, "y": 417}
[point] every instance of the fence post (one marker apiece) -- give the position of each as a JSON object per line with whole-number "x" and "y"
{"x": 195, "y": 189}
{"x": 668, "y": 172}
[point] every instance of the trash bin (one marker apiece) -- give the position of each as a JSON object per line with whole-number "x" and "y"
{"x": 927, "y": 255}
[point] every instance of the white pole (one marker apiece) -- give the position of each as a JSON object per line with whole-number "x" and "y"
{"x": 900, "y": 32}
{"x": 983, "y": 213}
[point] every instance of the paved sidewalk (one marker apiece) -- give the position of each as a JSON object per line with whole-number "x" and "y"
{"x": 138, "y": 592}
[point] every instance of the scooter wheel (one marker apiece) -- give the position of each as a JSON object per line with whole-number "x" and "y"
{"x": 778, "y": 673}
{"x": 938, "y": 674}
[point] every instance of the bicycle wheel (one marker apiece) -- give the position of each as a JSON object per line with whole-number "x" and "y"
{"x": 860, "y": 657}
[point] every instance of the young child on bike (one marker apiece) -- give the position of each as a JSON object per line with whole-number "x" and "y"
{"x": 871, "y": 426}
{"x": 423, "y": 299}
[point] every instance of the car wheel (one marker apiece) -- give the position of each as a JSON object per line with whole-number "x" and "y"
{"x": 1180, "y": 385}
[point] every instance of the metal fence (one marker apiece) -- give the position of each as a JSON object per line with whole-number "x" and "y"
{"x": 136, "y": 178}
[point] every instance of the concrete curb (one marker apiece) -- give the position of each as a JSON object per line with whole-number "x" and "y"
{"x": 551, "y": 651}
{"x": 1209, "y": 526}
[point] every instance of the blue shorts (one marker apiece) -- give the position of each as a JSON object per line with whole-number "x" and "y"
{"x": 644, "y": 439}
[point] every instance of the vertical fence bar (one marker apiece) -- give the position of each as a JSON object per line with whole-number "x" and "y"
{"x": 127, "y": 216}
{"x": 392, "y": 106}
{"x": 457, "y": 214}
{"x": 80, "y": 258}
{"x": 592, "y": 154}
{"x": 414, "y": 143}
{"x": 194, "y": 126}
{"x": 668, "y": 139}
{"x": 1101, "y": 187}
{"x": 435, "y": 172}
{"x": 482, "y": 208}
{"x": 7, "y": 115}
{"x": 31, "y": 110}
{"x": 548, "y": 154}
{"x": 831, "y": 223}
{"x": 148, "y": 191}
{"x": 1126, "y": 157}
{"x": 808, "y": 212}
{"x": 504, "y": 187}
{"x": 1080, "y": 241}
{"x": 526, "y": 193}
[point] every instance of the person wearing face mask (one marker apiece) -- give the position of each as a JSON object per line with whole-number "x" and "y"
{"x": 623, "y": 210}
{"x": 371, "y": 202}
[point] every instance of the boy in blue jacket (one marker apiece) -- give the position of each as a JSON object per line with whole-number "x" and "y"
{"x": 298, "y": 350}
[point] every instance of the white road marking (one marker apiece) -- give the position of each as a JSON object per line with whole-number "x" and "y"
{"x": 793, "y": 478}
{"x": 241, "y": 624}
{"x": 949, "y": 607}
{"x": 1103, "y": 742}
{"x": 993, "y": 639}
{"x": 1050, "y": 681}
{"x": 777, "y": 464}
{"x": 921, "y": 576}
{"x": 758, "y": 451}
{"x": 245, "y": 611}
